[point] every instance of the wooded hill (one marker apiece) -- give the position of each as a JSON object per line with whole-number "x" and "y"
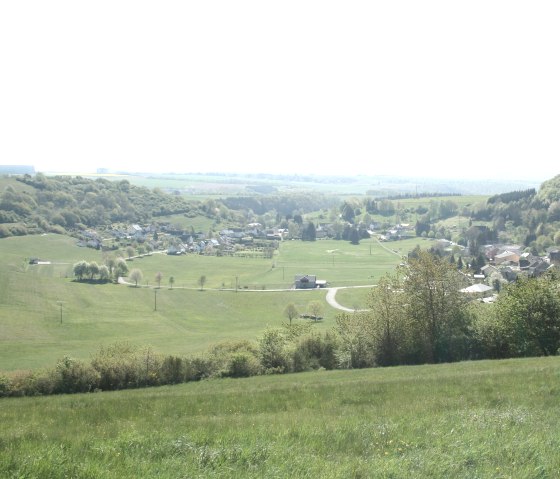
{"x": 38, "y": 204}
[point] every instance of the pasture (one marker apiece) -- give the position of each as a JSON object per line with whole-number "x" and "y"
{"x": 45, "y": 315}
{"x": 486, "y": 419}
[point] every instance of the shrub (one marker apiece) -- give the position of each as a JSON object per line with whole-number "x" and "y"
{"x": 314, "y": 352}
{"x": 18, "y": 230}
{"x": 272, "y": 351}
{"x": 4, "y": 231}
{"x": 174, "y": 370}
{"x": 243, "y": 364}
{"x": 230, "y": 358}
{"x": 117, "y": 366}
{"x": 29, "y": 383}
{"x": 75, "y": 376}
{"x": 198, "y": 368}
{"x": 5, "y": 386}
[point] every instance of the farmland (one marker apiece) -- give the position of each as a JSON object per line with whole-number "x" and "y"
{"x": 45, "y": 314}
{"x": 474, "y": 419}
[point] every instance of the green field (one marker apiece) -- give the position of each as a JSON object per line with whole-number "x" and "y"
{"x": 487, "y": 419}
{"x": 34, "y": 297}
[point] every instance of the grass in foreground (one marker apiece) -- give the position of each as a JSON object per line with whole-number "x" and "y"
{"x": 482, "y": 419}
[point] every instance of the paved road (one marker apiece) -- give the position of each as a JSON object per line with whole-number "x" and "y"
{"x": 331, "y": 298}
{"x": 331, "y": 293}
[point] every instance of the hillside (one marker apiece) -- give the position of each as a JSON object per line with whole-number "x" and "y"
{"x": 34, "y": 204}
{"x": 475, "y": 419}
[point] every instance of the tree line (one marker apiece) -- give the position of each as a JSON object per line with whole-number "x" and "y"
{"x": 110, "y": 271}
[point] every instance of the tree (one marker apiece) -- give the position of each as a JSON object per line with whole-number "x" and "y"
{"x": 272, "y": 352}
{"x": 309, "y": 233}
{"x": 388, "y": 324}
{"x": 202, "y": 282}
{"x": 294, "y": 230}
{"x": 435, "y": 308}
{"x": 130, "y": 251}
{"x": 92, "y": 269}
{"x": 136, "y": 276}
{"x": 355, "y": 341}
{"x": 159, "y": 276}
{"x": 171, "y": 281}
{"x": 315, "y": 309}
{"x": 110, "y": 262}
{"x": 120, "y": 269}
{"x": 347, "y": 212}
{"x": 104, "y": 274}
{"x": 354, "y": 236}
{"x": 291, "y": 312}
{"x": 80, "y": 269}
{"x": 528, "y": 313}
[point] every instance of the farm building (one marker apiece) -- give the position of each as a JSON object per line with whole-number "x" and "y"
{"x": 308, "y": 281}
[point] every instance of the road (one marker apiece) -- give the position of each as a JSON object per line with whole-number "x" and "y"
{"x": 331, "y": 298}
{"x": 331, "y": 293}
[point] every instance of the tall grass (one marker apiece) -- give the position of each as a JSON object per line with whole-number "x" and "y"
{"x": 482, "y": 419}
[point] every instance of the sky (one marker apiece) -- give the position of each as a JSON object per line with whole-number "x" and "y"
{"x": 429, "y": 89}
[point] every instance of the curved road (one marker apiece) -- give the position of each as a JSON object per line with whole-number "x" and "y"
{"x": 331, "y": 298}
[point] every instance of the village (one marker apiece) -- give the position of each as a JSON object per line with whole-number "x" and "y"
{"x": 502, "y": 263}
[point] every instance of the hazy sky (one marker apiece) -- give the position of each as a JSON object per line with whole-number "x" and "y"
{"x": 441, "y": 88}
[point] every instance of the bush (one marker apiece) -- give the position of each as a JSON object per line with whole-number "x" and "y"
{"x": 4, "y": 231}
{"x": 117, "y": 366}
{"x": 199, "y": 368}
{"x": 29, "y": 383}
{"x": 174, "y": 370}
{"x": 75, "y": 376}
{"x": 243, "y": 365}
{"x": 18, "y": 230}
{"x": 272, "y": 351}
{"x": 5, "y": 386}
{"x": 314, "y": 352}
{"x": 234, "y": 359}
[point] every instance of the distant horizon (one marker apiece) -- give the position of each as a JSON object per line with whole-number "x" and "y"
{"x": 426, "y": 177}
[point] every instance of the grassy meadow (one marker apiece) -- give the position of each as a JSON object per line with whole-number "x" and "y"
{"x": 486, "y": 419}
{"x": 187, "y": 320}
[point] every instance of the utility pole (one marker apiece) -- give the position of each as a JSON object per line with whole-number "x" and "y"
{"x": 236, "y": 283}
{"x": 60, "y": 304}
{"x": 155, "y": 299}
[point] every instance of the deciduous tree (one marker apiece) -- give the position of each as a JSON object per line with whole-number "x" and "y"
{"x": 80, "y": 269}
{"x": 528, "y": 312}
{"x": 135, "y": 276}
{"x": 291, "y": 312}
